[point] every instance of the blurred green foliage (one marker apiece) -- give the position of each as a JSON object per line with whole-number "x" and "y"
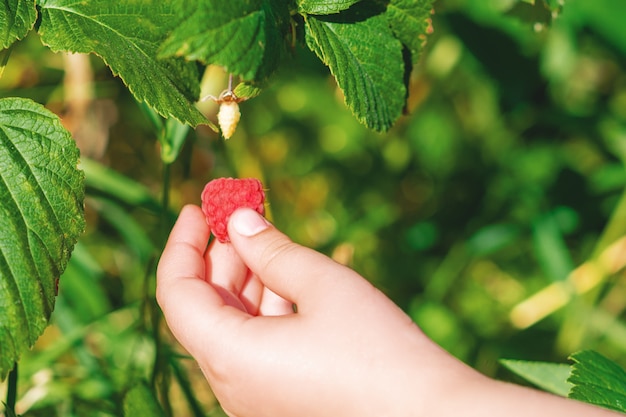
{"x": 504, "y": 180}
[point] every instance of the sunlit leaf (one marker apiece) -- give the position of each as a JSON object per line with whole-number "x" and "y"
{"x": 598, "y": 380}
{"x": 41, "y": 217}
{"x": 551, "y": 377}
{"x": 247, "y": 90}
{"x": 410, "y": 22}
{"x": 246, "y": 38}
{"x": 366, "y": 60}
{"x": 17, "y": 18}
{"x": 126, "y": 35}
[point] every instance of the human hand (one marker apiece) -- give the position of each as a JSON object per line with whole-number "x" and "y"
{"x": 347, "y": 351}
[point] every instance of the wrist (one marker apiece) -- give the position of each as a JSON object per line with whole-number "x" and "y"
{"x": 458, "y": 391}
{"x": 486, "y": 397}
{"x": 432, "y": 384}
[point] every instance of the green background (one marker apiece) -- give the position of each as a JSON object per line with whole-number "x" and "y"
{"x": 504, "y": 177}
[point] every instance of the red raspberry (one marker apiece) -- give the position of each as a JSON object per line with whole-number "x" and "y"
{"x": 222, "y": 196}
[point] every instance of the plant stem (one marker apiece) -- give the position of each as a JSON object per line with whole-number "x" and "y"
{"x": 576, "y": 326}
{"x": 4, "y": 59}
{"x": 12, "y": 392}
{"x": 159, "y": 381}
{"x": 186, "y": 388}
{"x": 165, "y": 203}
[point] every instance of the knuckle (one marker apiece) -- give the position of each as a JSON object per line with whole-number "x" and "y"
{"x": 275, "y": 253}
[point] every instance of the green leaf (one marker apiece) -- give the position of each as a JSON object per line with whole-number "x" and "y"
{"x": 551, "y": 377}
{"x": 550, "y": 247}
{"x": 105, "y": 180}
{"x": 41, "y": 217}
{"x": 17, "y": 18}
{"x": 604, "y": 17}
{"x": 247, "y": 90}
{"x": 532, "y": 12}
{"x": 141, "y": 402}
{"x": 410, "y": 22}
{"x": 366, "y": 60}
{"x": 126, "y": 35}
{"x": 598, "y": 380}
{"x": 246, "y": 38}
{"x": 323, "y": 7}
{"x": 172, "y": 138}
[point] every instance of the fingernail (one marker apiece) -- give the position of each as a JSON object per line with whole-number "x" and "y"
{"x": 248, "y": 222}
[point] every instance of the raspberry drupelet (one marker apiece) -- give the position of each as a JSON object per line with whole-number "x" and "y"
{"x": 222, "y": 196}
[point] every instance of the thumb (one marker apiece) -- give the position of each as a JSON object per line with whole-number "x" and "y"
{"x": 294, "y": 272}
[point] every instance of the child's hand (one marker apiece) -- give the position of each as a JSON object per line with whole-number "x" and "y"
{"x": 348, "y": 351}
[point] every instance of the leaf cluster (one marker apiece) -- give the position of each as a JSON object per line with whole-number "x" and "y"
{"x": 370, "y": 46}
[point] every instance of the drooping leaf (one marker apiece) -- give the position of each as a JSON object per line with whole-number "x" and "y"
{"x": 598, "y": 380}
{"x": 126, "y": 35}
{"x": 410, "y": 22}
{"x": 323, "y": 7}
{"x": 366, "y": 60}
{"x": 41, "y": 217}
{"x": 141, "y": 402}
{"x": 246, "y": 38}
{"x": 17, "y": 18}
{"x": 551, "y": 377}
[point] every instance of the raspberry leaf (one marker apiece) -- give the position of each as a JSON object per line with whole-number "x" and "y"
{"x": 366, "y": 60}
{"x": 370, "y": 46}
{"x": 598, "y": 380}
{"x": 126, "y": 35}
{"x": 247, "y": 38}
{"x": 551, "y": 377}
{"x": 41, "y": 217}
{"x": 410, "y": 21}
{"x": 17, "y": 18}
